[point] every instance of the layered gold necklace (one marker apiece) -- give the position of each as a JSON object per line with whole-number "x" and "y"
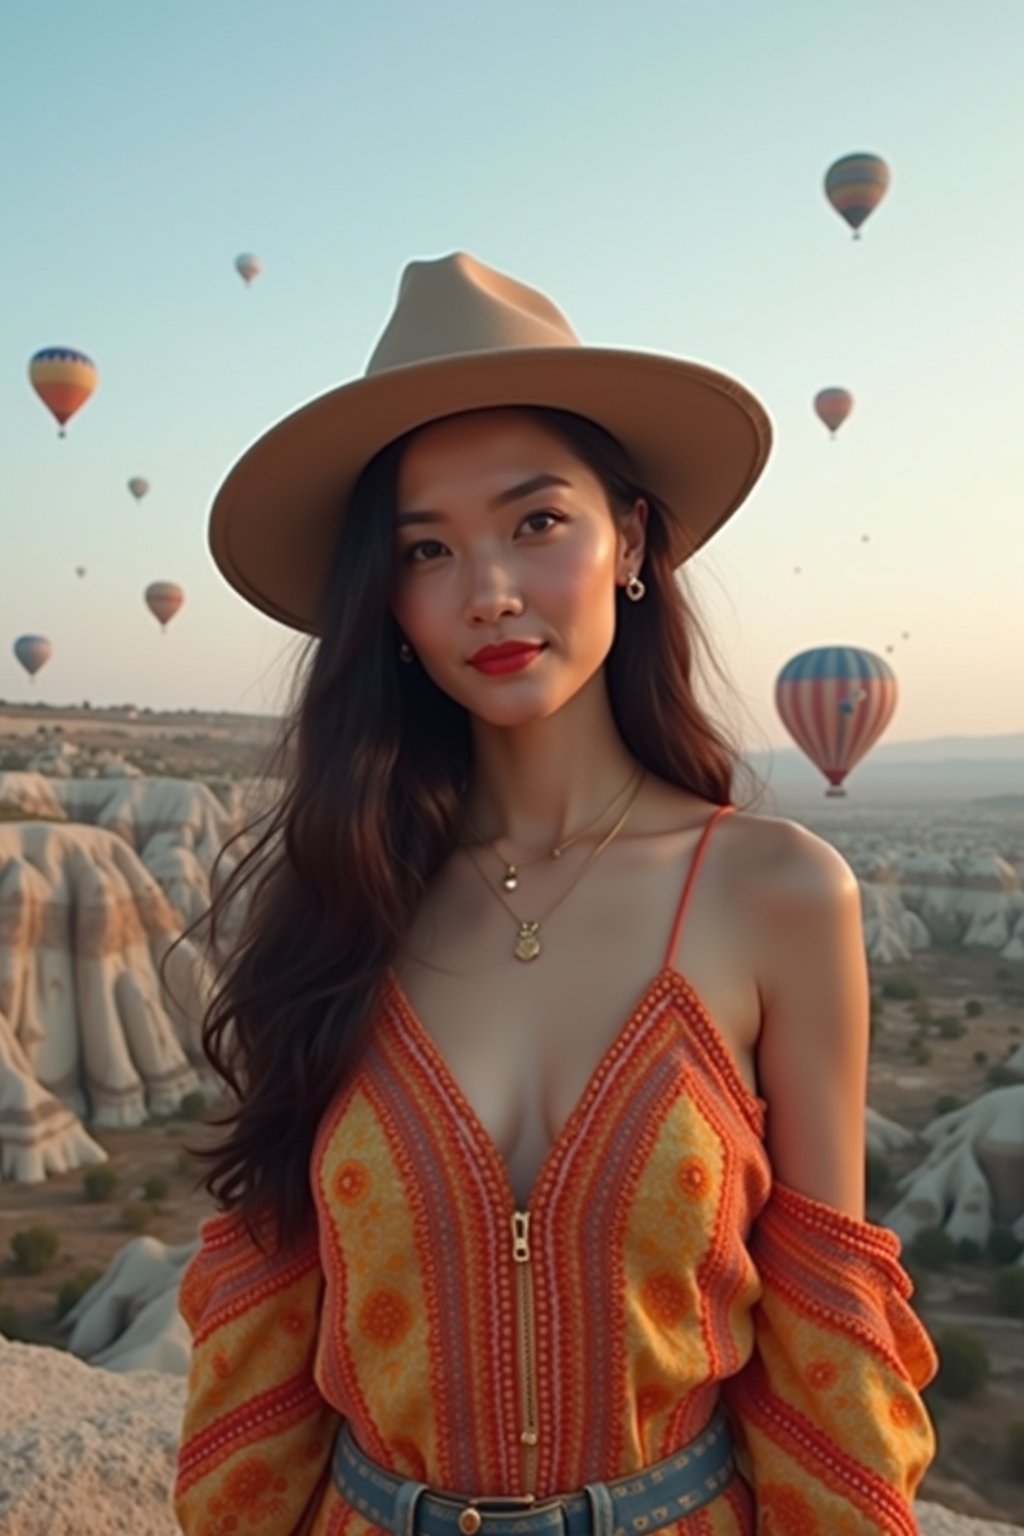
{"x": 528, "y": 945}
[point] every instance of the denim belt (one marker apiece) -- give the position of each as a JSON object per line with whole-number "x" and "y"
{"x": 642, "y": 1501}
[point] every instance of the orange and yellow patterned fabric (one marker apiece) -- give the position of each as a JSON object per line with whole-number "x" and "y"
{"x": 668, "y": 1267}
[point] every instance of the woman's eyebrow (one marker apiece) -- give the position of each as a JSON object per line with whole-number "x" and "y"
{"x": 514, "y": 493}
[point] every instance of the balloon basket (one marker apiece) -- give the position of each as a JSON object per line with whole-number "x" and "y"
{"x": 835, "y": 793}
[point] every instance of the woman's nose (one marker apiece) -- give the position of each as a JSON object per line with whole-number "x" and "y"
{"x": 491, "y": 591}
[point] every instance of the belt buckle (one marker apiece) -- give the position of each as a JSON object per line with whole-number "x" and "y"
{"x": 471, "y": 1519}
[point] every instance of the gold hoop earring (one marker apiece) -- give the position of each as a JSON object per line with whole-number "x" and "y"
{"x": 405, "y": 651}
{"x": 635, "y": 588}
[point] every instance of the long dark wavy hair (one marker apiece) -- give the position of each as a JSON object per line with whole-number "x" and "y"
{"x": 375, "y": 760}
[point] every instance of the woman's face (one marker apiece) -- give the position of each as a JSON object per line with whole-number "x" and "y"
{"x": 502, "y": 533}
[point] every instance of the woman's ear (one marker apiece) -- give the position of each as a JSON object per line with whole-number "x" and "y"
{"x": 633, "y": 537}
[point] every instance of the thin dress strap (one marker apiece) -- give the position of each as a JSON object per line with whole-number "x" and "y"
{"x": 684, "y": 900}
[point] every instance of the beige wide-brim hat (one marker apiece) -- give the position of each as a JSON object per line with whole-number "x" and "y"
{"x": 464, "y": 337}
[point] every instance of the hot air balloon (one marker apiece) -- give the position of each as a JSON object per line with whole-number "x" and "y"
{"x": 906, "y": 634}
{"x": 833, "y": 406}
{"x": 138, "y": 487}
{"x": 248, "y": 266}
{"x": 835, "y": 702}
{"x": 63, "y": 379}
{"x": 855, "y": 185}
{"x": 164, "y": 599}
{"x": 79, "y": 570}
{"x": 33, "y": 651}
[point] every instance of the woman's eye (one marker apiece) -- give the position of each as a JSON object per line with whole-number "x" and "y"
{"x": 409, "y": 554}
{"x": 557, "y": 516}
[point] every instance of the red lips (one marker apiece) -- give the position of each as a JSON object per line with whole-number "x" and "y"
{"x": 508, "y": 648}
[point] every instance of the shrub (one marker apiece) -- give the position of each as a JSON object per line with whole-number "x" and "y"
{"x": 964, "y": 1363}
{"x": 1008, "y": 1291}
{"x": 11, "y": 1326}
{"x": 947, "y": 1102}
{"x": 876, "y": 1174}
{"x": 900, "y": 989}
{"x": 973, "y": 1008}
{"x": 192, "y": 1106}
{"x": 155, "y": 1189}
{"x": 34, "y": 1249}
{"x": 921, "y": 1010}
{"x": 968, "y": 1251}
{"x": 1014, "y": 1450}
{"x": 75, "y": 1288}
{"x": 1003, "y": 1247}
{"x": 137, "y": 1216}
{"x": 933, "y": 1247}
{"x": 980, "y": 1058}
{"x": 920, "y": 1280}
{"x": 950, "y": 1027}
{"x": 919, "y": 1053}
{"x": 99, "y": 1183}
{"x": 999, "y": 1075}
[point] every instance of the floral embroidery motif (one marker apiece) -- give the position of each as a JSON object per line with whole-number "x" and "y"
{"x": 351, "y": 1181}
{"x": 822, "y": 1373}
{"x": 385, "y": 1316}
{"x": 253, "y": 1492}
{"x": 783, "y": 1511}
{"x": 664, "y": 1298}
{"x": 694, "y": 1178}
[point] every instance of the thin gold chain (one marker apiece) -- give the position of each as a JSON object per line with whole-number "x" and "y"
{"x": 512, "y": 865}
{"x": 528, "y": 940}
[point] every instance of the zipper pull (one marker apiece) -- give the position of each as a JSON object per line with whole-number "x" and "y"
{"x": 521, "y": 1236}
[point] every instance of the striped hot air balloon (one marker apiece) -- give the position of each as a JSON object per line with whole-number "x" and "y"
{"x": 835, "y": 702}
{"x": 855, "y": 185}
{"x": 832, "y": 406}
{"x": 33, "y": 651}
{"x": 63, "y": 379}
{"x": 164, "y": 598}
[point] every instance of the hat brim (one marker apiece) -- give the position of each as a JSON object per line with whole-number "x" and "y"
{"x": 698, "y": 438}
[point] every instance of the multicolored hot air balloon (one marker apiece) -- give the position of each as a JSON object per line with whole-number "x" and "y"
{"x": 855, "y": 185}
{"x": 248, "y": 266}
{"x": 33, "y": 651}
{"x": 164, "y": 598}
{"x": 63, "y": 379}
{"x": 833, "y": 406}
{"x": 835, "y": 702}
{"x": 138, "y": 487}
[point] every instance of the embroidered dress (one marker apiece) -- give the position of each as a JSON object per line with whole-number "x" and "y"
{"x": 484, "y": 1347}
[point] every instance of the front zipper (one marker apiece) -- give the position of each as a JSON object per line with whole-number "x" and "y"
{"x": 526, "y": 1343}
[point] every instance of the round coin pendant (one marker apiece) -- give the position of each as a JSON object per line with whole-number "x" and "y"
{"x": 527, "y": 944}
{"x": 511, "y": 879}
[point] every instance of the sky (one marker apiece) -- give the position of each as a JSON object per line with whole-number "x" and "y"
{"x": 655, "y": 168}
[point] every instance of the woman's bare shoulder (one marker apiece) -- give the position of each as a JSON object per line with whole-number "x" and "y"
{"x": 781, "y": 877}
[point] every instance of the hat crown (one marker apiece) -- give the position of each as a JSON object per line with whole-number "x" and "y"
{"x": 455, "y": 305}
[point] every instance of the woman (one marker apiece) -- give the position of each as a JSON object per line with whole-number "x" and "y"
{"x": 545, "y": 1192}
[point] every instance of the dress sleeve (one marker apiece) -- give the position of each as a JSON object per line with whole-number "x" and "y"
{"x": 831, "y": 1432}
{"x": 257, "y": 1434}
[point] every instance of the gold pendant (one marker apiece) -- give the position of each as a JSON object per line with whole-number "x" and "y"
{"x": 527, "y": 943}
{"x": 510, "y": 879}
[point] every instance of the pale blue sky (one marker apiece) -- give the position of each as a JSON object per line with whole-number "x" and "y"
{"x": 655, "y": 167}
